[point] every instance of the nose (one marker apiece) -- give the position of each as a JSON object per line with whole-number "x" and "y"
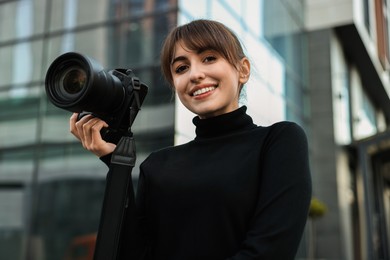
{"x": 196, "y": 73}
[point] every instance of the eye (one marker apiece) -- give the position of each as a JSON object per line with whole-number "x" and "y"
{"x": 181, "y": 68}
{"x": 209, "y": 58}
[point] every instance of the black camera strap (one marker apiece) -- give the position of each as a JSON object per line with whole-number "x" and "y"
{"x": 118, "y": 194}
{"x": 119, "y": 197}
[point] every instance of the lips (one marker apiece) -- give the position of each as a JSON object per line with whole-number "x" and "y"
{"x": 203, "y": 90}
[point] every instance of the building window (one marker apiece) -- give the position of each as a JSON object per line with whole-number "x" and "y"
{"x": 366, "y": 14}
{"x": 382, "y": 11}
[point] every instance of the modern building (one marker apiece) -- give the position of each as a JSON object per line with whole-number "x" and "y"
{"x": 348, "y": 75}
{"x": 322, "y": 64}
{"x": 51, "y": 190}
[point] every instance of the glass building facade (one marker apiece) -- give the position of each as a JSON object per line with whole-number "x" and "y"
{"x": 51, "y": 189}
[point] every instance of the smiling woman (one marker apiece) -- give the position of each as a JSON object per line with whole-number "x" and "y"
{"x": 206, "y": 83}
{"x": 219, "y": 38}
{"x": 225, "y": 194}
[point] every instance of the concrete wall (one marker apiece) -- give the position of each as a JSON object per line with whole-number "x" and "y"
{"x": 328, "y": 232}
{"x": 328, "y": 13}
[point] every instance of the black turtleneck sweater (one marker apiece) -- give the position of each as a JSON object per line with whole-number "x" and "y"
{"x": 237, "y": 191}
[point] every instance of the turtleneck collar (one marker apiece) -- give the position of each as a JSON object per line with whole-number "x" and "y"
{"x": 221, "y": 125}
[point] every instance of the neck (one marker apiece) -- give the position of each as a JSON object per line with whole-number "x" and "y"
{"x": 224, "y": 124}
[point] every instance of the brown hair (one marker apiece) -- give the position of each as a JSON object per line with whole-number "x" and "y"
{"x": 201, "y": 35}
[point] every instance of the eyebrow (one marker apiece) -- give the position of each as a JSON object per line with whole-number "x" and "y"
{"x": 180, "y": 58}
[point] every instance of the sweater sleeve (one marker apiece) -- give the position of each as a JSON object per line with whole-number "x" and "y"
{"x": 283, "y": 199}
{"x": 106, "y": 159}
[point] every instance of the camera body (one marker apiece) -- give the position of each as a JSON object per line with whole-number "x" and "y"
{"x": 78, "y": 83}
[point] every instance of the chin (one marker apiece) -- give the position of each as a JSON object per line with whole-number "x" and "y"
{"x": 207, "y": 110}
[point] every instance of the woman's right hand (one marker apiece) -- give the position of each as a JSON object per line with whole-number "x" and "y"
{"x": 87, "y": 130}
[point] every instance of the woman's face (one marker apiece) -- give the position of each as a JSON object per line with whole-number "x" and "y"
{"x": 206, "y": 83}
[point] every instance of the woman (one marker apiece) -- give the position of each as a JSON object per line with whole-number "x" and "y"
{"x": 237, "y": 191}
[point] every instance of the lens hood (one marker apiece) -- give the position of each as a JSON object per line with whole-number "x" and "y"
{"x": 77, "y": 83}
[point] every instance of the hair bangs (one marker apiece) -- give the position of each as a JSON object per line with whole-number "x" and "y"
{"x": 198, "y": 36}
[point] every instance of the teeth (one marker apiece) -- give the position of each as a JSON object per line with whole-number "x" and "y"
{"x": 203, "y": 90}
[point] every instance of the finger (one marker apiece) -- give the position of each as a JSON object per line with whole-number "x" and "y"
{"x": 97, "y": 145}
{"x": 96, "y": 137}
{"x": 72, "y": 125}
{"x": 78, "y": 126}
{"x": 93, "y": 138}
{"x": 86, "y": 129}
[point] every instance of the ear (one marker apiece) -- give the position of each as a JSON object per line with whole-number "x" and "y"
{"x": 244, "y": 70}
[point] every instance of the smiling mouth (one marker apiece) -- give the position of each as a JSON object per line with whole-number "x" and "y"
{"x": 202, "y": 91}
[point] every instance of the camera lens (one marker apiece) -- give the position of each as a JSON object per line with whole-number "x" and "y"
{"x": 69, "y": 82}
{"x": 77, "y": 83}
{"x": 73, "y": 81}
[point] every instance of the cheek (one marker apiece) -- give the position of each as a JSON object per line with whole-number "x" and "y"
{"x": 235, "y": 83}
{"x": 178, "y": 85}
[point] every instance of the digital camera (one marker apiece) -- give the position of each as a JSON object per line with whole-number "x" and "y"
{"x": 78, "y": 83}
